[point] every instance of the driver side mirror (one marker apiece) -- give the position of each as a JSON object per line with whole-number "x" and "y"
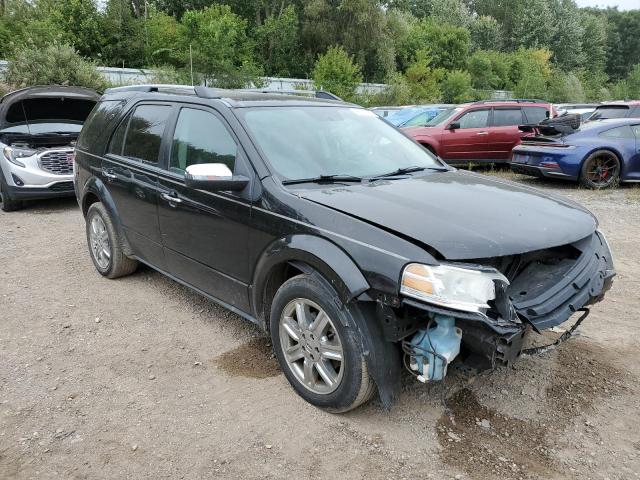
{"x": 453, "y": 126}
{"x": 214, "y": 177}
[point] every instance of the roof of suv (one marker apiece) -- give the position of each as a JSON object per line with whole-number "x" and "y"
{"x": 233, "y": 98}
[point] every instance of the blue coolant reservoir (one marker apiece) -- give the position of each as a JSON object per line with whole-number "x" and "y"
{"x": 435, "y": 348}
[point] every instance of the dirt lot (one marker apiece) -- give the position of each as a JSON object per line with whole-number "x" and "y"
{"x": 141, "y": 378}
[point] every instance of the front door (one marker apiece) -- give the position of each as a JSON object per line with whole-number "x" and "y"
{"x": 205, "y": 234}
{"x": 130, "y": 173}
{"x": 504, "y": 133}
{"x": 469, "y": 141}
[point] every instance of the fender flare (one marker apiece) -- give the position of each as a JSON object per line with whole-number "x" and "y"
{"x": 319, "y": 254}
{"x": 96, "y": 187}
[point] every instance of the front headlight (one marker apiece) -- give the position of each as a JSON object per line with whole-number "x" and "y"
{"x": 14, "y": 154}
{"x": 451, "y": 286}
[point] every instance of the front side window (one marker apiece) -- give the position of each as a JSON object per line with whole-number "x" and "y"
{"x": 619, "y": 132}
{"x": 201, "y": 137}
{"x": 309, "y": 141}
{"x": 474, "y": 119}
{"x": 506, "y": 117}
{"x": 145, "y": 131}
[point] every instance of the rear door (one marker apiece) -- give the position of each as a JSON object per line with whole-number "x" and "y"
{"x": 130, "y": 173}
{"x": 205, "y": 234}
{"x": 470, "y": 141}
{"x": 504, "y": 133}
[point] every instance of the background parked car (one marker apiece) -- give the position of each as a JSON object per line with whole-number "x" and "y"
{"x": 598, "y": 154}
{"x": 38, "y": 129}
{"x": 384, "y": 112}
{"x": 585, "y": 110}
{"x": 483, "y": 132}
{"x": 416, "y": 116}
{"x": 630, "y": 109}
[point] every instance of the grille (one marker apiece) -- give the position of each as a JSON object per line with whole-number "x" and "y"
{"x": 57, "y": 162}
{"x": 61, "y": 187}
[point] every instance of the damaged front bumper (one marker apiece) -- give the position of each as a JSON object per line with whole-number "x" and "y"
{"x": 546, "y": 288}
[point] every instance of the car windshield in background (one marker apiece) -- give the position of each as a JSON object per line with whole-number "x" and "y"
{"x": 308, "y": 142}
{"x": 44, "y": 127}
{"x": 442, "y": 117}
{"x": 609, "y": 112}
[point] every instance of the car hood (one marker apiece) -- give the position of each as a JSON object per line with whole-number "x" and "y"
{"x": 462, "y": 215}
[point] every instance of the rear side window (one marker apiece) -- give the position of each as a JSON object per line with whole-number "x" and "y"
{"x": 201, "y": 137}
{"x": 115, "y": 146}
{"x": 144, "y": 134}
{"x": 635, "y": 112}
{"x": 474, "y": 119}
{"x": 98, "y": 120}
{"x": 619, "y": 132}
{"x": 610, "y": 112}
{"x": 503, "y": 117}
{"x": 534, "y": 115}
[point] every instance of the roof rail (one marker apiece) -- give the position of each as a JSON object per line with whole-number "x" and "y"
{"x": 515, "y": 100}
{"x": 199, "y": 91}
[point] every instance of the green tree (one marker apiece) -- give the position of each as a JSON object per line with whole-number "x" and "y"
{"x": 222, "y": 51}
{"x": 486, "y": 34}
{"x": 456, "y": 87}
{"x": 278, "y": 45}
{"x": 123, "y": 36}
{"x": 448, "y": 45}
{"x": 336, "y": 72}
{"x": 530, "y": 70}
{"x": 163, "y": 45}
{"x": 55, "y": 64}
{"x": 423, "y": 80}
{"x": 623, "y": 42}
{"x": 565, "y": 87}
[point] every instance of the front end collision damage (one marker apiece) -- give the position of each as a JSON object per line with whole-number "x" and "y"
{"x": 545, "y": 289}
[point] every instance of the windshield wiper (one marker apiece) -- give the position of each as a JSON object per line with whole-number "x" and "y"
{"x": 324, "y": 179}
{"x": 405, "y": 170}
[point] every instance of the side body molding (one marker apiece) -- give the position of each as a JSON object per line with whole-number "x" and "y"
{"x": 316, "y": 252}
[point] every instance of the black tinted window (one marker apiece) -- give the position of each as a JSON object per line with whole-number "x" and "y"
{"x": 115, "y": 146}
{"x": 201, "y": 137}
{"x": 535, "y": 115}
{"x": 474, "y": 119}
{"x": 610, "y": 112}
{"x": 98, "y": 120}
{"x": 144, "y": 134}
{"x": 503, "y": 117}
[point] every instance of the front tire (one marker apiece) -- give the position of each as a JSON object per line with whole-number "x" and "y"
{"x": 317, "y": 345}
{"x": 7, "y": 203}
{"x": 105, "y": 245}
{"x": 601, "y": 169}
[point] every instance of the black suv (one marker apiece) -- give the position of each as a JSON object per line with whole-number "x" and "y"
{"x": 357, "y": 249}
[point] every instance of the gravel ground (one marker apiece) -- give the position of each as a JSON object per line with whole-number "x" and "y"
{"x": 141, "y": 378}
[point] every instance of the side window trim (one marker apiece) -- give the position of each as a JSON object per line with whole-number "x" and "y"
{"x": 171, "y": 130}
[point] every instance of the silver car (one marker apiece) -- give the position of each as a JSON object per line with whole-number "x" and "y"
{"x": 38, "y": 130}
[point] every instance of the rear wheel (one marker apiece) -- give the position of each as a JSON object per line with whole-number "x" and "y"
{"x": 317, "y": 346}
{"x": 105, "y": 246}
{"x": 601, "y": 169}
{"x": 7, "y": 203}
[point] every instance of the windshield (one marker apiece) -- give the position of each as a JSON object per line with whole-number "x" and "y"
{"x": 609, "y": 112}
{"x": 442, "y": 117}
{"x": 43, "y": 128}
{"x": 307, "y": 142}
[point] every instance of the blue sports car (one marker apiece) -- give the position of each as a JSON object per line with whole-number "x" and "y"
{"x": 598, "y": 154}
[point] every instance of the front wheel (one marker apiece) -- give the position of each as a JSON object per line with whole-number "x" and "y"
{"x": 601, "y": 169}
{"x": 7, "y": 203}
{"x": 317, "y": 346}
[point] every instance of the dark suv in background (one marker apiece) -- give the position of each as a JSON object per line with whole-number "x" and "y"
{"x": 352, "y": 245}
{"x": 480, "y": 132}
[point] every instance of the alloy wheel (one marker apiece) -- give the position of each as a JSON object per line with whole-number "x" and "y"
{"x": 602, "y": 169}
{"x": 311, "y": 346}
{"x": 100, "y": 245}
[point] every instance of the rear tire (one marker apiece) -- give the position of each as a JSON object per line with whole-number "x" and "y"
{"x": 325, "y": 364}
{"x": 600, "y": 170}
{"x": 7, "y": 203}
{"x": 105, "y": 245}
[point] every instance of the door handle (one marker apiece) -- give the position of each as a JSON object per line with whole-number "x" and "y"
{"x": 109, "y": 174}
{"x": 482, "y": 133}
{"x": 171, "y": 198}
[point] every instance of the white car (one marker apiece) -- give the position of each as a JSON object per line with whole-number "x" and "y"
{"x": 38, "y": 130}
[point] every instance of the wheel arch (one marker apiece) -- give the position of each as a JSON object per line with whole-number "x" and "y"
{"x": 606, "y": 148}
{"x": 303, "y": 253}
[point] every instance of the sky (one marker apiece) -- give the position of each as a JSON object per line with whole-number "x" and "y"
{"x": 621, "y": 4}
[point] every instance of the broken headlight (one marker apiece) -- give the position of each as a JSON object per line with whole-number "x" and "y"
{"x": 459, "y": 288}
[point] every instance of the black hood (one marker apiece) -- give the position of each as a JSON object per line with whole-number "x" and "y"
{"x": 463, "y": 215}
